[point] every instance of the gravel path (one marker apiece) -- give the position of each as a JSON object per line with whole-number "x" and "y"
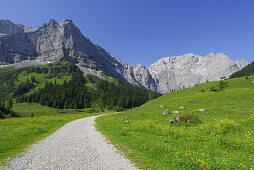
{"x": 77, "y": 145}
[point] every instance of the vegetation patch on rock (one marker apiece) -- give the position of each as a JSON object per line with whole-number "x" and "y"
{"x": 186, "y": 119}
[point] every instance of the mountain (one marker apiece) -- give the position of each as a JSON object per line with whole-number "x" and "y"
{"x": 246, "y": 71}
{"x": 56, "y": 40}
{"x": 173, "y": 73}
{"x": 8, "y": 27}
{"x": 22, "y": 46}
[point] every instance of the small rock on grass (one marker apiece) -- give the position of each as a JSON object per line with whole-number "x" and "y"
{"x": 176, "y": 112}
{"x": 177, "y": 118}
{"x": 166, "y": 112}
{"x": 172, "y": 121}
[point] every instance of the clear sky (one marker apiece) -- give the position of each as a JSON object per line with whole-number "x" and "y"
{"x": 143, "y": 31}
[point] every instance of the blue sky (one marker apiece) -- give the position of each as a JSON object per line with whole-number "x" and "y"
{"x": 142, "y": 31}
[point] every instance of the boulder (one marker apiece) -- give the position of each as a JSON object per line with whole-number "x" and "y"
{"x": 161, "y": 106}
{"x": 120, "y": 119}
{"x": 201, "y": 110}
{"x": 181, "y": 107}
{"x": 172, "y": 121}
{"x": 166, "y": 112}
{"x": 176, "y": 112}
{"x": 177, "y": 118}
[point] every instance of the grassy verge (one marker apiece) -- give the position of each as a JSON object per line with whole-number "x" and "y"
{"x": 223, "y": 138}
{"x": 35, "y": 109}
{"x": 16, "y": 134}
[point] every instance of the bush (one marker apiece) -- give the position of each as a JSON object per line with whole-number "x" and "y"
{"x": 222, "y": 85}
{"x": 187, "y": 119}
{"x": 214, "y": 89}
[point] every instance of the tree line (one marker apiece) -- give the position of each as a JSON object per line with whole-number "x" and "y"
{"x": 101, "y": 94}
{"x": 6, "y": 108}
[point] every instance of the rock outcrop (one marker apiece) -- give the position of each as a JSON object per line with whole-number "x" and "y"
{"x": 8, "y": 27}
{"x": 173, "y": 73}
{"x": 55, "y": 40}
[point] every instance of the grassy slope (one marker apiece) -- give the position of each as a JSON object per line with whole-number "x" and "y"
{"x": 26, "y": 109}
{"x": 225, "y": 139}
{"x": 11, "y": 77}
{"x": 16, "y": 134}
{"x": 41, "y": 78}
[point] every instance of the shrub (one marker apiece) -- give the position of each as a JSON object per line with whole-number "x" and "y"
{"x": 187, "y": 119}
{"x": 214, "y": 89}
{"x": 222, "y": 85}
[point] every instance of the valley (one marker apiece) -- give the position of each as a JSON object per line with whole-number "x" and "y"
{"x": 61, "y": 92}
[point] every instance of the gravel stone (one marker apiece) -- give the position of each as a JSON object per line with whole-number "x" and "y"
{"x": 77, "y": 145}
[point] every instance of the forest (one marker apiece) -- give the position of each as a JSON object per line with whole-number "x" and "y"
{"x": 62, "y": 85}
{"x": 5, "y": 108}
{"x": 101, "y": 95}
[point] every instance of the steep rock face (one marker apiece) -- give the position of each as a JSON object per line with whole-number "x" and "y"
{"x": 173, "y": 73}
{"x": 55, "y": 40}
{"x": 8, "y": 27}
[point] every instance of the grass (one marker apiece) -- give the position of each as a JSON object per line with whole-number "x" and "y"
{"x": 35, "y": 109}
{"x": 17, "y": 134}
{"x": 11, "y": 77}
{"x": 110, "y": 78}
{"x": 40, "y": 79}
{"x": 223, "y": 139}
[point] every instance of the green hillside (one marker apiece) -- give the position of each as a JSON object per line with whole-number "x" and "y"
{"x": 219, "y": 137}
{"x": 62, "y": 85}
{"x": 15, "y": 82}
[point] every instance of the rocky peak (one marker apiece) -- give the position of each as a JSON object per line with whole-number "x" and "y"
{"x": 210, "y": 55}
{"x": 8, "y": 27}
{"x": 55, "y": 40}
{"x": 176, "y": 72}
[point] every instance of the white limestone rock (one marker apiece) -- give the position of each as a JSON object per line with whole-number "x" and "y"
{"x": 55, "y": 40}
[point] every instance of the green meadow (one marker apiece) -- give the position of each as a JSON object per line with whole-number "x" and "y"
{"x": 36, "y": 123}
{"x": 221, "y": 137}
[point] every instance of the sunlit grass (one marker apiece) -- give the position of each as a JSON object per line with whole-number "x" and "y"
{"x": 224, "y": 139}
{"x": 16, "y": 134}
{"x": 35, "y": 109}
{"x": 40, "y": 79}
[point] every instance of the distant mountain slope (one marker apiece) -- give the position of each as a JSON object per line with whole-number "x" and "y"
{"x": 55, "y": 40}
{"x": 8, "y": 27}
{"x": 62, "y": 85}
{"x": 246, "y": 71}
{"x": 173, "y": 73}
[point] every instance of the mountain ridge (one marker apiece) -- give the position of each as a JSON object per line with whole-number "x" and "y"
{"x": 55, "y": 40}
